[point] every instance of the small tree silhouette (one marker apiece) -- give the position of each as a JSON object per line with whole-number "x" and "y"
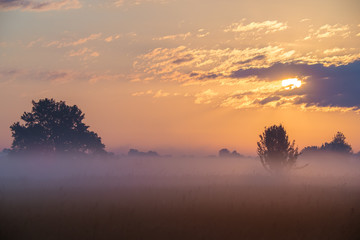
{"x": 224, "y": 152}
{"x": 338, "y": 144}
{"x": 275, "y": 150}
{"x": 54, "y": 127}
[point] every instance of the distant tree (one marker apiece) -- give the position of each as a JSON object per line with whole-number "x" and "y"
{"x": 224, "y": 152}
{"x": 236, "y": 154}
{"x": 137, "y": 153}
{"x": 133, "y": 152}
{"x": 54, "y": 127}
{"x": 338, "y": 144}
{"x": 275, "y": 150}
{"x": 4, "y": 152}
{"x": 310, "y": 149}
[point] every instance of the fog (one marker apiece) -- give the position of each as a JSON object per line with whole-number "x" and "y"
{"x": 186, "y": 195}
{"x": 311, "y": 169}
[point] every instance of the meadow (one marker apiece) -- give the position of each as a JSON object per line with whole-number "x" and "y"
{"x": 178, "y": 198}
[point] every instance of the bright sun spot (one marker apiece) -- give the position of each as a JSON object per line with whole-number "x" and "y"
{"x": 291, "y": 83}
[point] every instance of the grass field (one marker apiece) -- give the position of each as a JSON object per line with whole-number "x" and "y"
{"x": 155, "y": 199}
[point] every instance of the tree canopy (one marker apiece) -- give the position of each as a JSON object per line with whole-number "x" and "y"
{"x": 224, "y": 152}
{"x": 54, "y": 127}
{"x": 275, "y": 150}
{"x": 337, "y": 145}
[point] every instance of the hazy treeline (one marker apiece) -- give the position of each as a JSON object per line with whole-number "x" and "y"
{"x": 56, "y": 130}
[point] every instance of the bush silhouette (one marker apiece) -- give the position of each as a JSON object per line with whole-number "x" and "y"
{"x": 136, "y": 153}
{"x": 275, "y": 150}
{"x": 54, "y": 127}
{"x": 338, "y": 144}
{"x": 225, "y": 153}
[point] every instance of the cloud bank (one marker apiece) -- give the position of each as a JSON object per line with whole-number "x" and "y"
{"x": 333, "y": 86}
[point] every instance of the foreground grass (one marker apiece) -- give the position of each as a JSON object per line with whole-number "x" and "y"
{"x": 183, "y": 208}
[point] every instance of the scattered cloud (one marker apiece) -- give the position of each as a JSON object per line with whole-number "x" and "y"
{"x": 327, "y": 31}
{"x": 157, "y": 94}
{"x": 142, "y": 93}
{"x": 186, "y": 58}
{"x": 334, "y": 59}
{"x": 129, "y": 3}
{"x": 181, "y": 36}
{"x": 160, "y": 94}
{"x": 334, "y": 50}
{"x": 119, "y": 3}
{"x": 58, "y": 76}
{"x": 112, "y": 38}
{"x": 39, "y": 6}
{"x": 236, "y": 102}
{"x": 81, "y": 41}
{"x": 32, "y": 43}
{"x": 84, "y": 40}
{"x": 84, "y": 53}
{"x": 185, "y": 64}
{"x": 263, "y": 27}
{"x": 202, "y": 33}
{"x": 205, "y": 97}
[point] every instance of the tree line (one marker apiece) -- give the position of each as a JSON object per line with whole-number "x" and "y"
{"x": 53, "y": 127}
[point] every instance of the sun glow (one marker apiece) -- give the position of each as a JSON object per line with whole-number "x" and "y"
{"x": 291, "y": 83}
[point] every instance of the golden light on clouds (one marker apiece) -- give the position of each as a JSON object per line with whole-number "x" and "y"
{"x": 291, "y": 83}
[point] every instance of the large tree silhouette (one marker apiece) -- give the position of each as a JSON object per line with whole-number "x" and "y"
{"x": 54, "y": 127}
{"x": 275, "y": 150}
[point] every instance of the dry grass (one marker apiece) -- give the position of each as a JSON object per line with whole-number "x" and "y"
{"x": 168, "y": 206}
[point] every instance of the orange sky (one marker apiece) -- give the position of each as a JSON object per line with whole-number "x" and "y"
{"x": 185, "y": 77}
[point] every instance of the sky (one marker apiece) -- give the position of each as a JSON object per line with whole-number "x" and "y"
{"x": 186, "y": 77}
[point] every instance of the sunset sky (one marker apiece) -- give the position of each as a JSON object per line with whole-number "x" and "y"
{"x": 186, "y": 76}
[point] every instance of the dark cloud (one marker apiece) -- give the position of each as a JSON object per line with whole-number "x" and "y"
{"x": 205, "y": 76}
{"x": 209, "y": 76}
{"x": 333, "y": 86}
{"x": 186, "y": 58}
{"x": 256, "y": 58}
{"x": 32, "y": 5}
{"x": 282, "y": 70}
{"x": 268, "y": 99}
{"x": 193, "y": 74}
{"x": 9, "y": 72}
{"x": 41, "y": 76}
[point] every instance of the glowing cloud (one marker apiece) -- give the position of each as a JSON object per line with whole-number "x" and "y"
{"x": 267, "y": 26}
{"x": 291, "y": 83}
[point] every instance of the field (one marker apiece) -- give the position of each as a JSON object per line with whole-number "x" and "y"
{"x": 177, "y": 198}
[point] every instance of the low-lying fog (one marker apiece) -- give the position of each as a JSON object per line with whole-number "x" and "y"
{"x": 179, "y": 198}
{"x": 315, "y": 169}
